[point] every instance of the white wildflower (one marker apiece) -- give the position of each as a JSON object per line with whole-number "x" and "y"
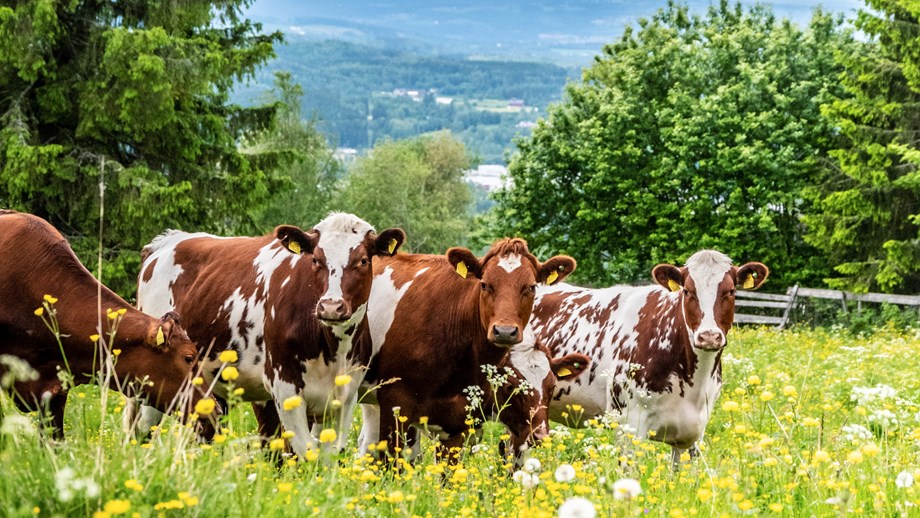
{"x": 17, "y": 425}
{"x": 532, "y": 465}
{"x": 525, "y": 479}
{"x": 577, "y": 507}
{"x": 904, "y": 479}
{"x": 626, "y": 488}
{"x": 564, "y": 473}
{"x": 856, "y": 431}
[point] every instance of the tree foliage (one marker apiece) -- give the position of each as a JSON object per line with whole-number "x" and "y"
{"x": 416, "y": 184}
{"x": 689, "y": 132}
{"x": 298, "y": 152}
{"x": 870, "y": 210}
{"x": 135, "y": 93}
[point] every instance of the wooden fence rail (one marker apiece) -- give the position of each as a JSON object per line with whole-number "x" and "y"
{"x": 772, "y": 302}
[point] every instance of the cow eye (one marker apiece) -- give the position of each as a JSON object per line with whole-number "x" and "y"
{"x": 731, "y": 293}
{"x": 315, "y": 261}
{"x": 364, "y": 261}
{"x": 532, "y": 288}
{"x": 484, "y": 286}
{"x": 189, "y": 359}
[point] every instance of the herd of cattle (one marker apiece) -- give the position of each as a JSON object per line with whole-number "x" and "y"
{"x": 332, "y": 317}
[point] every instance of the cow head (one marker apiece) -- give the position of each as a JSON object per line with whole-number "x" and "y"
{"x": 167, "y": 360}
{"x": 524, "y": 398}
{"x": 341, "y": 248}
{"x": 508, "y": 277}
{"x": 707, "y": 293}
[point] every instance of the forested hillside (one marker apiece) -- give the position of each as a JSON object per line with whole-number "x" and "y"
{"x": 350, "y": 88}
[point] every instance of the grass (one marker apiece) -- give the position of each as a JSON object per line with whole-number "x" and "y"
{"x": 810, "y": 422}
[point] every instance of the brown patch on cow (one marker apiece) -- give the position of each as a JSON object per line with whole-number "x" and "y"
{"x": 148, "y": 271}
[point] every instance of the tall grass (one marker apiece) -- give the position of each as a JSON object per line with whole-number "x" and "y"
{"x": 810, "y": 422}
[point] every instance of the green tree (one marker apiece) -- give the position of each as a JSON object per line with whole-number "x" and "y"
{"x": 870, "y": 217}
{"x": 297, "y": 151}
{"x": 135, "y": 93}
{"x": 690, "y": 132}
{"x": 415, "y": 184}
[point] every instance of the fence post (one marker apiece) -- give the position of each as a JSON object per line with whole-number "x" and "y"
{"x": 792, "y": 292}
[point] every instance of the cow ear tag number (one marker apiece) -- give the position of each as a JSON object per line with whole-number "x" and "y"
{"x": 160, "y": 337}
{"x": 391, "y": 246}
{"x": 563, "y": 372}
{"x": 673, "y": 285}
{"x": 551, "y": 278}
{"x": 294, "y": 246}
{"x": 749, "y": 282}
{"x": 461, "y": 269}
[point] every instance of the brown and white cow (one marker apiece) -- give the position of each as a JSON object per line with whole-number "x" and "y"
{"x": 37, "y": 261}
{"x": 292, "y": 304}
{"x": 655, "y": 350}
{"x": 435, "y": 322}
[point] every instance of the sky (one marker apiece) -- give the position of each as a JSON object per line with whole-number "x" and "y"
{"x": 560, "y": 29}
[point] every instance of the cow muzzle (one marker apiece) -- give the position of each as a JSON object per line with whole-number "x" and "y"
{"x": 333, "y": 311}
{"x": 710, "y": 340}
{"x": 505, "y": 335}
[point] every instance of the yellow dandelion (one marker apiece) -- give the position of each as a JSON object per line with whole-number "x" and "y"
{"x": 396, "y": 497}
{"x": 423, "y": 420}
{"x": 50, "y": 300}
{"x": 327, "y": 435}
{"x": 94, "y": 338}
{"x": 116, "y": 352}
{"x": 228, "y": 356}
{"x": 197, "y": 381}
{"x": 766, "y": 395}
{"x": 229, "y": 373}
{"x": 122, "y": 311}
{"x": 204, "y": 406}
{"x": 276, "y": 444}
{"x": 776, "y": 507}
{"x": 821, "y": 456}
{"x": 871, "y": 449}
{"x": 117, "y": 506}
{"x": 753, "y": 380}
{"x": 789, "y": 391}
{"x": 134, "y": 484}
{"x": 731, "y": 406}
{"x": 287, "y": 434}
{"x": 238, "y": 391}
{"x": 311, "y": 455}
{"x": 220, "y": 438}
{"x": 40, "y": 311}
{"x": 292, "y": 402}
{"x": 285, "y": 487}
{"x": 855, "y": 457}
{"x": 342, "y": 379}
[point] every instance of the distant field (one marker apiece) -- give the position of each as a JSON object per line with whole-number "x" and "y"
{"x": 810, "y": 423}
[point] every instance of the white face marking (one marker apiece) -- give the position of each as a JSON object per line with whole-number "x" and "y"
{"x": 532, "y": 363}
{"x": 510, "y": 262}
{"x": 339, "y": 235}
{"x": 707, "y": 269}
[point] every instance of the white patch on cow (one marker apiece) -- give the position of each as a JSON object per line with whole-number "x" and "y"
{"x": 530, "y": 362}
{"x": 294, "y": 420}
{"x": 370, "y": 428}
{"x": 510, "y": 262}
{"x": 383, "y": 300}
{"x": 707, "y": 268}
{"x": 339, "y": 235}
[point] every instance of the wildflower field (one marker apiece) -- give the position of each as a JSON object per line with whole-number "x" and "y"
{"x": 810, "y": 422}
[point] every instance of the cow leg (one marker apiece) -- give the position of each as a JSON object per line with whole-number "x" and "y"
{"x": 346, "y": 413}
{"x": 267, "y": 417}
{"x": 370, "y": 428}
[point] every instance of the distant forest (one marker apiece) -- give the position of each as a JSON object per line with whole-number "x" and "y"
{"x": 349, "y": 88}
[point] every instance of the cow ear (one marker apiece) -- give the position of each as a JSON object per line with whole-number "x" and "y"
{"x": 751, "y": 275}
{"x": 295, "y": 240}
{"x": 556, "y": 269}
{"x": 569, "y": 366}
{"x": 669, "y": 276}
{"x": 161, "y": 332}
{"x": 389, "y": 241}
{"x": 464, "y": 262}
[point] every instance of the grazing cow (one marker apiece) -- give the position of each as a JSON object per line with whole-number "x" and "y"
{"x": 517, "y": 393}
{"x": 39, "y": 267}
{"x": 435, "y": 321}
{"x": 292, "y": 304}
{"x": 655, "y": 350}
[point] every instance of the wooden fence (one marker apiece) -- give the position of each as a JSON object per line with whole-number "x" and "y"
{"x": 769, "y": 305}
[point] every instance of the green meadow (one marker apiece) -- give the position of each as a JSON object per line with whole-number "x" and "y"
{"x": 809, "y": 423}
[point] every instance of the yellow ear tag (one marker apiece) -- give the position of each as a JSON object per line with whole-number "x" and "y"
{"x": 563, "y": 372}
{"x": 673, "y": 285}
{"x": 294, "y": 246}
{"x": 160, "y": 337}
{"x": 551, "y": 278}
{"x": 748, "y": 283}
{"x": 461, "y": 269}
{"x": 392, "y": 246}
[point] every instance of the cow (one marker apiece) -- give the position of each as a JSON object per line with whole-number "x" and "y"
{"x": 655, "y": 350}
{"x": 44, "y": 285}
{"x": 435, "y": 322}
{"x": 291, "y": 304}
